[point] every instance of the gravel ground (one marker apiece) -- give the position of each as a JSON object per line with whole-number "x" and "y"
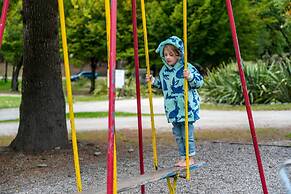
{"x": 232, "y": 168}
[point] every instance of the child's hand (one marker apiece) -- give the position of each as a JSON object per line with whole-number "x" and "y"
{"x": 186, "y": 73}
{"x": 149, "y": 78}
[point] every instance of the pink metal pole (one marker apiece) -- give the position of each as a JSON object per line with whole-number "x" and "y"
{"x": 3, "y": 19}
{"x": 111, "y": 116}
{"x": 136, "y": 61}
{"x": 245, "y": 93}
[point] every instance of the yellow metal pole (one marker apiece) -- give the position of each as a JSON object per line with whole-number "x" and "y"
{"x": 149, "y": 86}
{"x": 107, "y": 13}
{"x": 186, "y": 89}
{"x": 69, "y": 93}
{"x": 172, "y": 186}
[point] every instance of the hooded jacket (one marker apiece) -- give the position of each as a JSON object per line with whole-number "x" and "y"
{"x": 171, "y": 81}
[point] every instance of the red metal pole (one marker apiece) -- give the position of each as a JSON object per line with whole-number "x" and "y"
{"x": 3, "y": 19}
{"x": 136, "y": 61}
{"x": 246, "y": 97}
{"x": 111, "y": 116}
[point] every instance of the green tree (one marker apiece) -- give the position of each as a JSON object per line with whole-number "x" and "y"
{"x": 209, "y": 37}
{"x": 159, "y": 26}
{"x": 276, "y": 22}
{"x": 87, "y": 34}
{"x": 12, "y": 46}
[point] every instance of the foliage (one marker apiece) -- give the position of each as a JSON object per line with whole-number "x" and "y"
{"x": 263, "y": 27}
{"x": 276, "y": 23}
{"x": 103, "y": 114}
{"x": 280, "y": 74}
{"x": 128, "y": 90}
{"x": 209, "y": 37}
{"x": 266, "y": 84}
{"x": 13, "y": 39}
{"x": 5, "y": 86}
{"x": 101, "y": 88}
{"x": 86, "y": 31}
{"x": 9, "y": 101}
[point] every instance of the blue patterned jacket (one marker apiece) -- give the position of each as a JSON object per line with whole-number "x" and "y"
{"x": 171, "y": 81}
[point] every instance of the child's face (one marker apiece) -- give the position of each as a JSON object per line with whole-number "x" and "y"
{"x": 170, "y": 55}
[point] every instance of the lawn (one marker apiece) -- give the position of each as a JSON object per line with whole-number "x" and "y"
{"x": 10, "y": 101}
{"x": 13, "y": 101}
{"x": 81, "y": 88}
{"x": 242, "y": 136}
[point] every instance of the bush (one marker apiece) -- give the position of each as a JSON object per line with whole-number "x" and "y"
{"x": 128, "y": 89}
{"x": 265, "y": 83}
{"x": 5, "y": 86}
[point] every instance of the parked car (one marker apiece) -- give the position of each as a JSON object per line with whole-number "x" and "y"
{"x": 83, "y": 74}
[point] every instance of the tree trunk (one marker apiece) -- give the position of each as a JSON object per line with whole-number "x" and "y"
{"x": 42, "y": 111}
{"x": 15, "y": 74}
{"x": 93, "y": 70}
{"x": 5, "y": 74}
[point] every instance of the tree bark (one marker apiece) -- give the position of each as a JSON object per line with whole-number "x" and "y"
{"x": 5, "y": 74}
{"x": 42, "y": 111}
{"x": 15, "y": 74}
{"x": 93, "y": 70}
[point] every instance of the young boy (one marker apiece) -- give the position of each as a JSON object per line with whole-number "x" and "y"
{"x": 171, "y": 81}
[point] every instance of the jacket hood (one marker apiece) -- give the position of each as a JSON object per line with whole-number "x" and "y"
{"x": 175, "y": 41}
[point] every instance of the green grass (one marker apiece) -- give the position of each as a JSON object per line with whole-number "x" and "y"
{"x": 5, "y": 140}
{"x": 9, "y": 101}
{"x": 206, "y": 106}
{"x": 83, "y": 98}
{"x": 244, "y": 136}
{"x": 82, "y": 87}
{"x": 103, "y": 114}
{"x": 91, "y": 115}
{"x": 264, "y": 135}
{"x": 9, "y": 121}
{"x": 5, "y": 86}
{"x": 14, "y": 102}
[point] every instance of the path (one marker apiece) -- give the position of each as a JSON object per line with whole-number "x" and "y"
{"x": 210, "y": 119}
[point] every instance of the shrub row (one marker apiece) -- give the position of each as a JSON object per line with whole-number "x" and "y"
{"x": 266, "y": 83}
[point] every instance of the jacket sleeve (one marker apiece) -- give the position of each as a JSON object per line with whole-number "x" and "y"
{"x": 195, "y": 79}
{"x": 157, "y": 83}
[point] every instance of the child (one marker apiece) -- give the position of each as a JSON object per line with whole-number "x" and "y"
{"x": 171, "y": 81}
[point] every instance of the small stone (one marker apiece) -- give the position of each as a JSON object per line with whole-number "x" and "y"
{"x": 43, "y": 165}
{"x": 21, "y": 155}
{"x": 4, "y": 149}
{"x": 90, "y": 144}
